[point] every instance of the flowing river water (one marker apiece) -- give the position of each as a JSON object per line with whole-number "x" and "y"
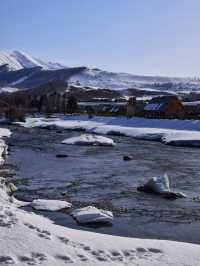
{"x": 98, "y": 176}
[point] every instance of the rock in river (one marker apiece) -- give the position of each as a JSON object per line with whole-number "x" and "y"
{"x": 160, "y": 186}
{"x": 61, "y": 155}
{"x": 128, "y": 158}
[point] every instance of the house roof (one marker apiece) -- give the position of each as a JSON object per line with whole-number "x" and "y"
{"x": 159, "y": 103}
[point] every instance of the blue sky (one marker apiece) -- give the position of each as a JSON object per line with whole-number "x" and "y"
{"x": 150, "y": 37}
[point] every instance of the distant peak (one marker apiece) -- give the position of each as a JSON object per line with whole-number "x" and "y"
{"x": 17, "y": 59}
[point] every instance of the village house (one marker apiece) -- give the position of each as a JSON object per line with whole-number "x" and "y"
{"x": 164, "y": 107}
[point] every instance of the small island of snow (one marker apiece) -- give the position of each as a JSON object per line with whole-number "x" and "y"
{"x": 86, "y": 139}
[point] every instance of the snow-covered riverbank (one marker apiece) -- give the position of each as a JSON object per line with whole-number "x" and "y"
{"x": 171, "y": 132}
{"x": 30, "y": 239}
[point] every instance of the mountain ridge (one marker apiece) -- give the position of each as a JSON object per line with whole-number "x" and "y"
{"x": 25, "y": 71}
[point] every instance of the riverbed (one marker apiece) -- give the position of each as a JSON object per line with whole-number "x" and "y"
{"x": 98, "y": 176}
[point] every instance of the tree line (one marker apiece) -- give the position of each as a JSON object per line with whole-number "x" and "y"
{"x": 15, "y": 106}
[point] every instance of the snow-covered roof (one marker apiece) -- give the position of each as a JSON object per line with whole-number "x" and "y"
{"x": 195, "y": 103}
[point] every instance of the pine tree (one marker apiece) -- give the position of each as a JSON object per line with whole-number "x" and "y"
{"x": 72, "y": 105}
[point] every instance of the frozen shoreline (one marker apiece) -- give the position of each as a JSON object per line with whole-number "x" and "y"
{"x": 170, "y": 132}
{"x": 30, "y": 239}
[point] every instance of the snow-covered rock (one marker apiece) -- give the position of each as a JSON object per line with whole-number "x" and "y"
{"x": 50, "y": 205}
{"x": 91, "y": 214}
{"x": 160, "y": 185}
{"x": 86, "y": 139}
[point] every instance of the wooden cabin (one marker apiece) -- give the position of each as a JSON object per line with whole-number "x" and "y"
{"x": 164, "y": 107}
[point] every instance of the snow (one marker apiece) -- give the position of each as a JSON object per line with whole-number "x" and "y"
{"x": 4, "y": 132}
{"x": 170, "y": 132}
{"x": 3, "y": 147}
{"x": 50, "y": 205}
{"x": 91, "y": 214}
{"x": 120, "y": 81}
{"x": 86, "y": 139}
{"x": 31, "y": 239}
{"x": 17, "y": 60}
{"x": 8, "y": 89}
{"x": 194, "y": 103}
{"x": 19, "y": 81}
{"x": 191, "y": 139}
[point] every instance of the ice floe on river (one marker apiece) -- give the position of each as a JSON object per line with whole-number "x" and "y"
{"x": 91, "y": 214}
{"x": 171, "y": 132}
{"x": 88, "y": 139}
{"x": 50, "y": 205}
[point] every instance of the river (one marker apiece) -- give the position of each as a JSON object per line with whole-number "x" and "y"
{"x": 99, "y": 176}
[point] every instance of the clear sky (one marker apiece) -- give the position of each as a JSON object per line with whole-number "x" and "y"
{"x": 136, "y": 36}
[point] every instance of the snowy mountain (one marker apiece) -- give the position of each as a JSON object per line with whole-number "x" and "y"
{"x": 17, "y": 60}
{"x": 18, "y": 69}
{"x": 121, "y": 81}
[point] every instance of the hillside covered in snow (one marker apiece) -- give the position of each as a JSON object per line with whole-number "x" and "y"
{"x": 21, "y": 70}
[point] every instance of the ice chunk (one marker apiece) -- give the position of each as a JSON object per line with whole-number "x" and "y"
{"x": 91, "y": 214}
{"x": 50, "y": 205}
{"x": 86, "y": 139}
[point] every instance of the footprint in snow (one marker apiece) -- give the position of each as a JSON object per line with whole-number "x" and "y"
{"x": 35, "y": 258}
{"x": 64, "y": 258}
{"x": 41, "y": 233}
{"x": 6, "y": 261}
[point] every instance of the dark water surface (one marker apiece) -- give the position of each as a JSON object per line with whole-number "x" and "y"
{"x": 99, "y": 176}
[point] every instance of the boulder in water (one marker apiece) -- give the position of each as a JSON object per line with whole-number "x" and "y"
{"x": 61, "y": 155}
{"x": 128, "y": 158}
{"x": 160, "y": 186}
